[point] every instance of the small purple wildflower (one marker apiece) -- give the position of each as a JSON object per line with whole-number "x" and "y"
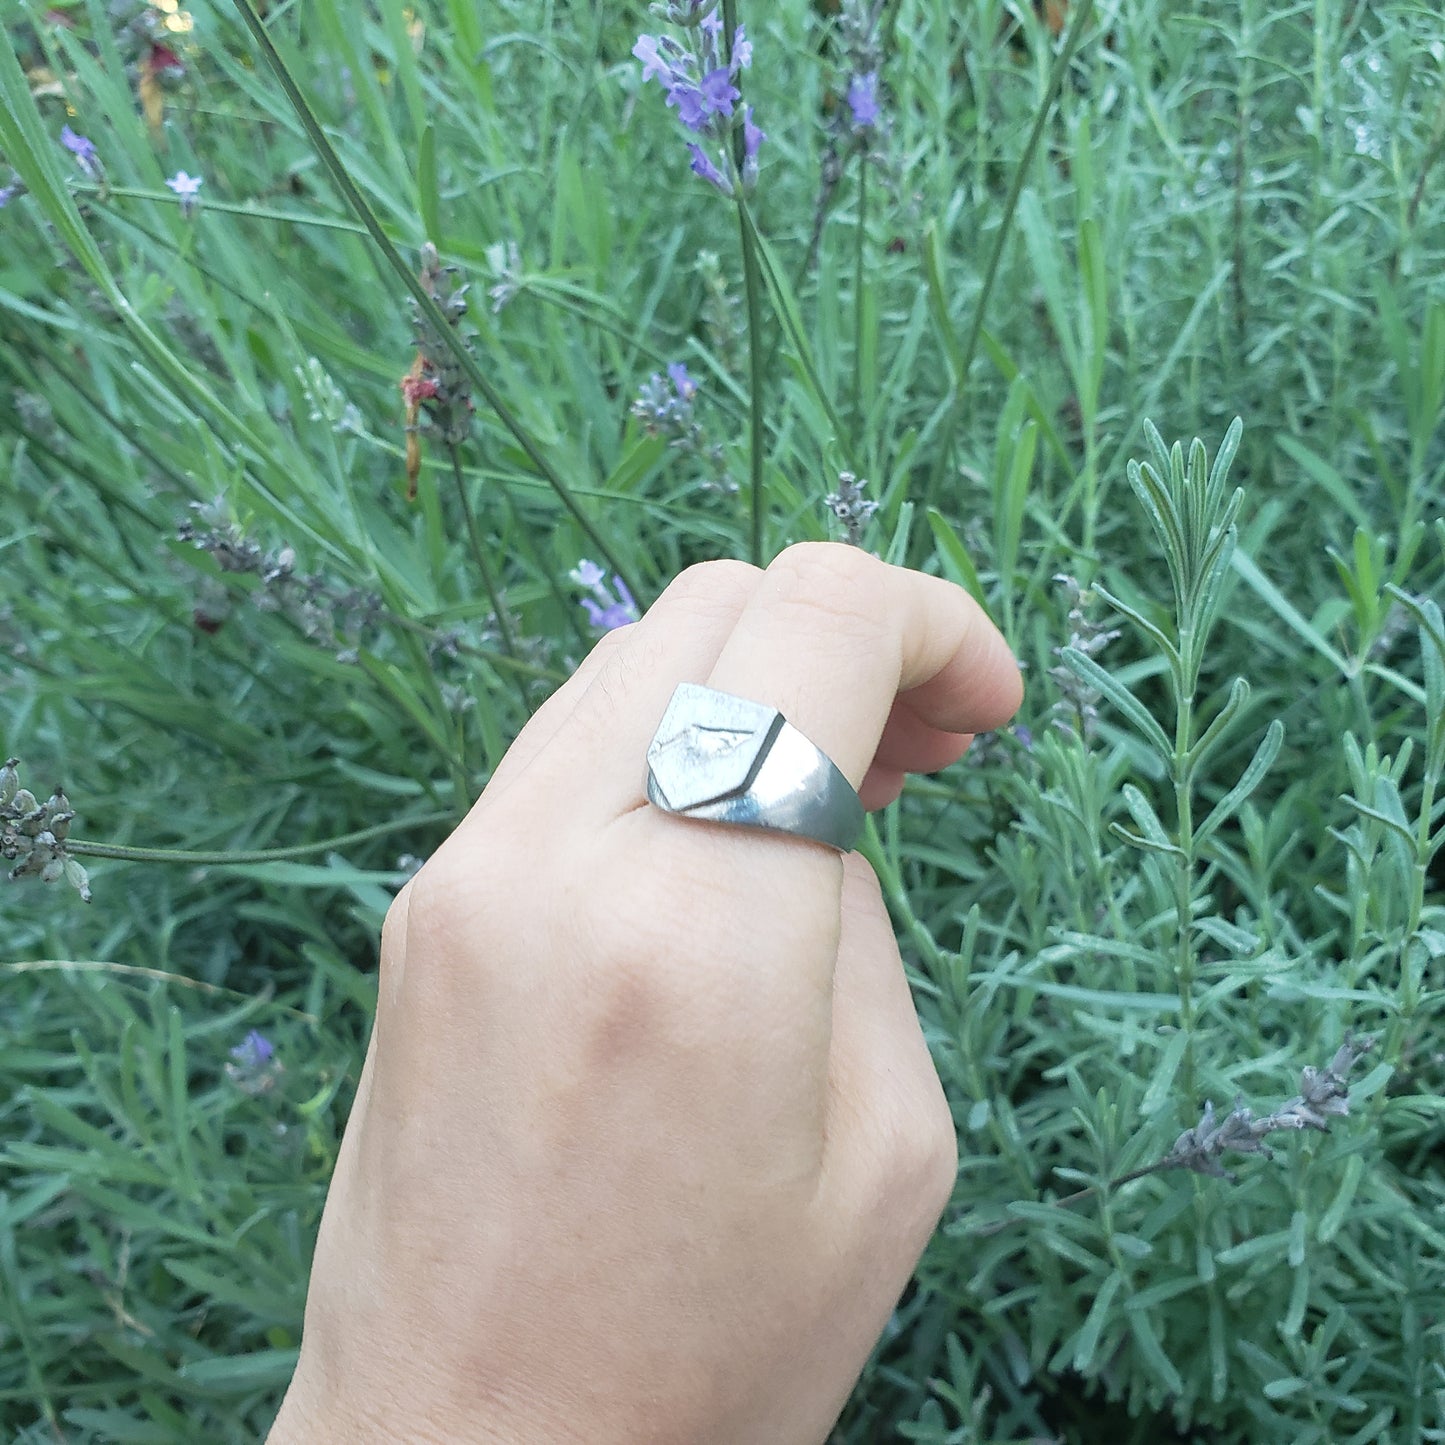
{"x": 697, "y": 79}
{"x": 254, "y": 1051}
{"x": 654, "y": 65}
{"x": 665, "y": 408}
{"x": 8, "y": 193}
{"x": 604, "y": 610}
{"x": 82, "y": 148}
{"x": 697, "y": 104}
{"x": 703, "y": 166}
{"x": 719, "y": 92}
{"x": 254, "y": 1067}
{"x": 752, "y": 140}
{"x": 686, "y": 386}
{"x": 742, "y": 50}
{"x": 863, "y": 100}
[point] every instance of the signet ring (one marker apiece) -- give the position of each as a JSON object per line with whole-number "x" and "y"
{"x": 730, "y": 760}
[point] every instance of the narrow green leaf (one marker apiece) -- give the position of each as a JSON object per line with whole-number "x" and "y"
{"x": 1161, "y": 1085}
{"x": 1152, "y": 1349}
{"x": 1110, "y": 687}
{"x": 1282, "y": 608}
{"x": 241, "y": 1374}
{"x": 1259, "y": 765}
{"x": 1087, "y": 1344}
{"x": 1144, "y": 842}
{"x": 1330, "y": 1221}
{"x": 1238, "y": 696}
{"x": 955, "y": 555}
{"x": 938, "y": 302}
{"x": 1153, "y": 632}
{"x": 428, "y": 204}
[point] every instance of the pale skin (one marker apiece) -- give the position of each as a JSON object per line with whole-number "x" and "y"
{"x": 647, "y": 1141}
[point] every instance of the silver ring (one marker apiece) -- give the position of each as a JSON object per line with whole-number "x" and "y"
{"x": 730, "y": 760}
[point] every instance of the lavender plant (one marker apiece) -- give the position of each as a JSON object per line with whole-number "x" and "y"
{"x": 298, "y": 533}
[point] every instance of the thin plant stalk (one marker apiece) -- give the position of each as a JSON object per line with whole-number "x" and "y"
{"x": 861, "y": 240}
{"x": 215, "y": 857}
{"x": 1079, "y": 19}
{"x": 428, "y": 306}
{"x": 752, "y": 294}
{"x": 479, "y": 556}
{"x": 752, "y": 290}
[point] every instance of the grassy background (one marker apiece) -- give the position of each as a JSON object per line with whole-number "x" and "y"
{"x": 1186, "y": 212}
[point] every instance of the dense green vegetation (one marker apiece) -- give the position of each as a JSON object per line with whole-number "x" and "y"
{"x": 271, "y": 657}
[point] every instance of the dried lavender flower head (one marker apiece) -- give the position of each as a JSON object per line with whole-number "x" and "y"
{"x": 34, "y": 834}
{"x": 851, "y": 507}
{"x": 1324, "y": 1095}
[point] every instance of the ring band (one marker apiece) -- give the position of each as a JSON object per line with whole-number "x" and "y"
{"x": 730, "y": 760}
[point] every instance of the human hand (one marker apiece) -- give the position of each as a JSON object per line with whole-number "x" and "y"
{"x": 647, "y": 1140}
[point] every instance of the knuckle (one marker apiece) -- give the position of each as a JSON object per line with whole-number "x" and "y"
{"x": 451, "y": 906}
{"x": 627, "y": 951}
{"x": 393, "y": 926}
{"x": 934, "y": 1158}
{"x": 716, "y": 589}
{"x": 921, "y": 1149}
{"x": 830, "y": 578}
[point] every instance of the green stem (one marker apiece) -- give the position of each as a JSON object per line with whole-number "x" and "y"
{"x": 479, "y": 555}
{"x": 85, "y": 848}
{"x": 1082, "y": 12}
{"x": 862, "y": 234}
{"x": 246, "y": 210}
{"x": 154, "y": 975}
{"x": 1184, "y": 883}
{"x": 752, "y": 293}
{"x": 752, "y": 289}
{"x": 425, "y": 303}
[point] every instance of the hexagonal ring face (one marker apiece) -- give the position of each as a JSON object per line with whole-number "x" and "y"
{"x": 708, "y": 745}
{"x": 727, "y": 759}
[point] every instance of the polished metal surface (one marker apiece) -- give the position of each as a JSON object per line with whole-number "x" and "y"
{"x": 729, "y": 760}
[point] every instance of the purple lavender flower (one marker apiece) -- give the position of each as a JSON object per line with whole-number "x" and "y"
{"x": 742, "y": 50}
{"x": 254, "y": 1067}
{"x": 685, "y": 385}
{"x": 863, "y": 100}
{"x": 697, "y": 104}
{"x": 604, "y": 610}
{"x": 82, "y": 148}
{"x": 752, "y": 140}
{"x": 691, "y": 104}
{"x": 654, "y": 65}
{"x": 719, "y": 92}
{"x": 697, "y": 78}
{"x": 255, "y": 1051}
{"x": 703, "y": 166}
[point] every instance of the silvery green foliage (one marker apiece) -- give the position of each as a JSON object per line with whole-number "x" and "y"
{"x": 1149, "y": 952}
